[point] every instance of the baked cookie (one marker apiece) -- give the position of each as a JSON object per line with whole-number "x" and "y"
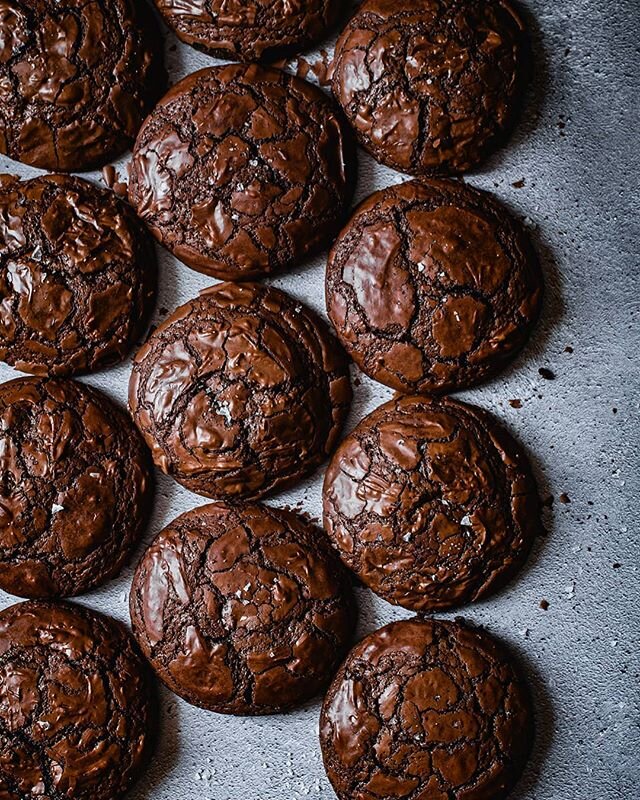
{"x": 242, "y": 609}
{"x": 432, "y": 286}
{"x": 426, "y": 710}
{"x": 250, "y": 30}
{"x": 76, "y": 80}
{"x": 77, "y": 276}
{"x": 240, "y": 392}
{"x": 431, "y": 86}
{"x": 75, "y": 491}
{"x": 242, "y": 170}
{"x": 75, "y": 704}
{"x": 431, "y": 503}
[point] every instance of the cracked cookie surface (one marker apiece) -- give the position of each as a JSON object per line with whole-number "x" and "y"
{"x": 431, "y": 86}
{"x": 77, "y": 78}
{"x": 243, "y": 170}
{"x": 75, "y": 704}
{"x": 426, "y": 710}
{"x": 250, "y": 30}
{"x": 75, "y": 487}
{"x": 240, "y": 392}
{"x": 242, "y": 609}
{"x": 432, "y": 286}
{"x": 77, "y": 276}
{"x": 431, "y": 503}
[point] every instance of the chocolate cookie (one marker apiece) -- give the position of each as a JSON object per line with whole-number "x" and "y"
{"x": 75, "y": 487}
{"x": 431, "y": 86}
{"x": 243, "y": 170}
{"x": 77, "y": 276}
{"x": 426, "y": 710}
{"x": 75, "y": 704}
{"x": 240, "y": 392}
{"x": 432, "y": 286}
{"x": 250, "y": 30}
{"x": 431, "y": 503}
{"x": 241, "y": 609}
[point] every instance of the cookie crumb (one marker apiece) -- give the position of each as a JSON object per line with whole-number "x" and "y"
{"x": 544, "y": 605}
{"x": 547, "y": 374}
{"x": 617, "y": 565}
{"x": 515, "y": 403}
{"x": 564, "y": 498}
{"x": 568, "y": 349}
{"x": 518, "y": 184}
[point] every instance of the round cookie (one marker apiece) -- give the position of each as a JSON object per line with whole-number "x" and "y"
{"x": 243, "y": 170}
{"x": 77, "y": 276}
{"x": 426, "y": 710}
{"x": 76, "y": 80}
{"x": 75, "y": 704}
{"x": 431, "y": 86}
{"x": 242, "y": 609}
{"x": 432, "y": 286}
{"x": 431, "y": 503}
{"x": 250, "y": 30}
{"x": 76, "y": 487}
{"x": 240, "y": 392}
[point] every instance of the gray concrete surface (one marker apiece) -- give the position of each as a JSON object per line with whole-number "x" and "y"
{"x": 578, "y": 152}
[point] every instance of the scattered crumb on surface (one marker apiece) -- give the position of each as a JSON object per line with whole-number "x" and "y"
{"x": 544, "y": 605}
{"x": 568, "y": 349}
{"x": 617, "y": 565}
{"x": 515, "y": 403}
{"x": 547, "y": 374}
{"x": 518, "y": 184}
{"x": 564, "y": 498}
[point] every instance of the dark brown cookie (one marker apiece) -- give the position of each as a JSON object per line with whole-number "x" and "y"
{"x": 426, "y": 710}
{"x": 240, "y": 392}
{"x": 75, "y": 704}
{"x": 431, "y": 86}
{"x": 76, "y": 80}
{"x": 242, "y": 609}
{"x": 432, "y": 286}
{"x": 250, "y": 30}
{"x": 75, "y": 487}
{"x": 431, "y": 503}
{"x": 243, "y": 170}
{"x": 77, "y": 276}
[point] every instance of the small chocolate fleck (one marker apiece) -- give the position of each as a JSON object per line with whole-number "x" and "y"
{"x": 515, "y": 403}
{"x": 568, "y": 349}
{"x": 564, "y": 498}
{"x": 547, "y": 374}
{"x": 617, "y": 565}
{"x": 544, "y": 605}
{"x": 518, "y": 184}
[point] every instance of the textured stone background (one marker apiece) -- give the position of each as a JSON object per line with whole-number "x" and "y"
{"x": 577, "y": 150}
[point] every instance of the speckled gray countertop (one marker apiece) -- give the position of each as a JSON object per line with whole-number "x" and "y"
{"x": 571, "y": 171}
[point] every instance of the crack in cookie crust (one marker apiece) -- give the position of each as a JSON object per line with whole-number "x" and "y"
{"x": 77, "y": 276}
{"x": 242, "y": 609}
{"x": 243, "y": 170}
{"x": 431, "y": 503}
{"x": 240, "y": 392}
{"x": 75, "y": 487}
{"x": 433, "y": 286}
{"x": 75, "y": 704}
{"x": 431, "y": 86}
{"x": 426, "y": 710}
{"x": 77, "y": 78}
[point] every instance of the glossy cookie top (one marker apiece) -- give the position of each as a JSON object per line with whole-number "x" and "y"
{"x": 77, "y": 276}
{"x": 242, "y": 609}
{"x": 76, "y": 80}
{"x": 431, "y": 87}
{"x": 250, "y": 30}
{"x": 426, "y": 709}
{"x": 431, "y": 503}
{"x": 243, "y": 170}
{"x": 240, "y": 392}
{"x": 75, "y": 704}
